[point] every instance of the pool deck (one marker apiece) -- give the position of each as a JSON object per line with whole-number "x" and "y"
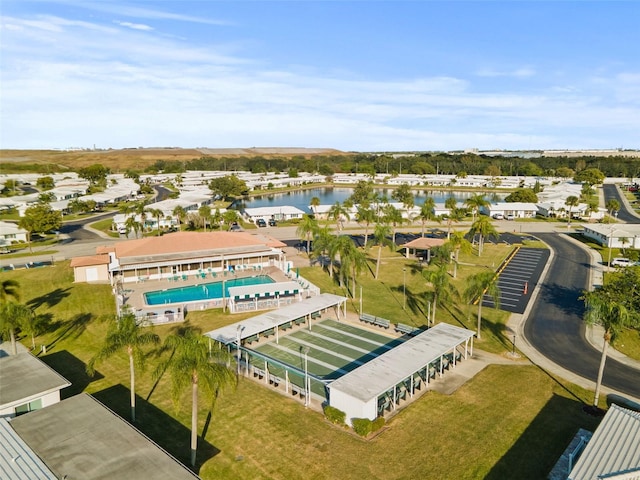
{"x": 134, "y": 292}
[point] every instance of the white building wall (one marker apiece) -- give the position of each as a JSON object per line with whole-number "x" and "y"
{"x": 352, "y": 407}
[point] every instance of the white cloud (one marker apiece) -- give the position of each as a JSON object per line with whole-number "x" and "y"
{"x": 522, "y": 72}
{"x": 135, "y": 26}
{"x": 68, "y": 82}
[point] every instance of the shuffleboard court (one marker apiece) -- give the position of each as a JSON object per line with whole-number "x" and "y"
{"x": 334, "y": 348}
{"x": 518, "y": 278}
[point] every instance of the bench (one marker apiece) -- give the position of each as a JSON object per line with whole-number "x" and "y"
{"x": 268, "y": 333}
{"x": 258, "y": 373}
{"x": 316, "y": 315}
{"x": 251, "y": 339}
{"x": 402, "y": 328}
{"x": 382, "y": 322}
{"x": 275, "y": 380}
{"x": 299, "y": 321}
{"x": 295, "y": 390}
{"x": 365, "y": 317}
{"x": 285, "y": 326}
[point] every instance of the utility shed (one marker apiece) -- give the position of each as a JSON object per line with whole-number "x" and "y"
{"x": 614, "y": 449}
{"x": 358, "y": 392}
{"x": 79, "y": 438}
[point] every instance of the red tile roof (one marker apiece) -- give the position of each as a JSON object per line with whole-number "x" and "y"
{"x": 90, "y": 261}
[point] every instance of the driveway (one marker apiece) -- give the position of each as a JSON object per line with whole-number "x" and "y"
{"x": 555, "y": 327}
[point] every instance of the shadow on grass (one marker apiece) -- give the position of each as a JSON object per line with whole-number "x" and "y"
{"x": 50, "y": 299}
{"x": 71, "y": 368}
{"x": 160, "y": 427}
{"x": 71, "y": 329}
{"x": 538, "y": 448}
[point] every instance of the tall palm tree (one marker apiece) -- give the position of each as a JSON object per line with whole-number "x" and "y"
{"x": 455, "y": 213}
{"x": 366, "y": 216}
{"x": 393, "y": 216}
{"x": 306, "y": 228}
{"x": 479, "y": 285}
{"x": 339, "y": 214}
{"x": 352, "y": 260}
{"x": 132, "y": 224}
{"x": 181, "y": 214}
{"x": 427, "y": 213}
{"x": 605, "y": 309}
{"x": 12, "y": 317}
{"x": 341, "y": 247}
{"x": 34, "y": 325}
{"x": 314, "y": 203}
{"x": 381, "y": 238}
{"x": 139, "y": 209}
{"x": 323, "y": 240}
{"x": 475, "y": 202}
{"x": 483, "y": 228}
{"x": 458, "y": 244}
{"x": 443, "y": 289}
{"x": 157, "y": 214}
{"x": 205, "y": 214}
{"x": 571, "y": 201}
{"x": 193, "y": 363}
{"x": 612, "y": 206}
{"x": 125, "y": 334}
{"x": 9, "y": 290}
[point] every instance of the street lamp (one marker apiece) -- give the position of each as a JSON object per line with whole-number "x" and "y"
{"x": 305, "y": 350}
{"x": 404, "y": 288}
{"x": 610, "y": 245}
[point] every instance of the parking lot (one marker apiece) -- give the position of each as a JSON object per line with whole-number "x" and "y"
{"x": 517, "y": 279}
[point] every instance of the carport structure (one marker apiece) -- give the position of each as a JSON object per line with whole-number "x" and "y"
{"x": 381, "y": 384}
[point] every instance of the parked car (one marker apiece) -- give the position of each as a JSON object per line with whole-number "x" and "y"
{"x": 510, "y": 217}
{"x": 622, "y": 262}
{"x": 498, "y": 216}
{"x": 272, "y": 222}
{"x": 261, "y": 223}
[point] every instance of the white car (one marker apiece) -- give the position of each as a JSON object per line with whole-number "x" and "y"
{"x": 622, "y": 262}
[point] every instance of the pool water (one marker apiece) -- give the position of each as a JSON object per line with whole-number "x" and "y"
{"x": 204, "y": 291}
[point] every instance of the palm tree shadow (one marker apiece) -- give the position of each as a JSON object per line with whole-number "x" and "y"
{"x": 51, "y": 299}
{"x": 563, "y": 298}
{"x": 72, "y": 328}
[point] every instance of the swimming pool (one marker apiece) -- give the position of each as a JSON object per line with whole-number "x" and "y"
{"x": 204, "y": 291}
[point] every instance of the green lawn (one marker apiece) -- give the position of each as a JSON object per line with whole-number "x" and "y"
{"x": 508, "y": 422}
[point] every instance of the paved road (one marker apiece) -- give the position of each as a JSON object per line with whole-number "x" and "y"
{"x": 611, "y": 192}
{"x": 555, "y": 327}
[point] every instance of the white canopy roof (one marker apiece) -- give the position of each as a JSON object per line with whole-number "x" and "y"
{"x": 383, "y": 372}
{"x": 265, "y": 321}
{"x": 253, "y": 291}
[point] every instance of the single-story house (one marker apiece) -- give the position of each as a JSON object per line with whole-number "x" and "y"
{"x": 26, "y": 383}
{"x": 515, "y": 209}
{"x": 10, "y": 233}
{"x": 284, "y": 212}
{"x": 614, "y": 235}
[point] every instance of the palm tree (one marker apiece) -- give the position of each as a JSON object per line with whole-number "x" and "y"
{"x": 483, "y": 228}
{"x": 181, "y": 214}
{"x": 367, "y": 216}
{"x": 314, "y": 203}
{"x": 338, "y": 213}
{"x": 139, "y": 209}
{"x": 124, "y": 334}
{"x": 605, "y": 309}
{"x": 306, "y": 228}
{"x": 12, "y": 317}
{"x": 322, "y": 245}
{"x": 571, "y": 201}
{"x": 479, "y": 285}
{"x": 352, "y": 260}
{"x": 613, "y": 206}
{"x": 394, "y": 217}
{"x": 157, "y": 214}
{"x": 458, "y": 244}
{"x": 9, "y": 290}
{"x": 455, "y": 213}
{"x": 381, "y": 238}
{"x": 427, "y": 213}
{"x": 475, "y": 202}
{"x": 34, "y": 325}
{"x": 341, "y": 247}
{"x": 205, "y": 214}
{"x": 443, "y": 290}
{"x": 193, "y": 363}
{"x": 132, "y": 224}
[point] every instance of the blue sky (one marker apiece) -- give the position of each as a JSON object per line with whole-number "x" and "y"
{"x": 360, "y": 75}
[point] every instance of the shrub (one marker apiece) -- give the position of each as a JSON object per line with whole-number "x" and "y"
{"x": 334, "y": 415}
{"x": 362, "y": 426}
{"x": 377, "y": 424}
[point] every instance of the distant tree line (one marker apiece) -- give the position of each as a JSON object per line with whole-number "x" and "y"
{"x": 426, "y": 163}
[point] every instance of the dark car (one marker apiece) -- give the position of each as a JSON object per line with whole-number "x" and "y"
{"x": 261, "y": 223}
{"x": 272, "y": 222}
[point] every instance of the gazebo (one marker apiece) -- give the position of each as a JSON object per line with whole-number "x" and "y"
{"x": 422, "y": 243}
